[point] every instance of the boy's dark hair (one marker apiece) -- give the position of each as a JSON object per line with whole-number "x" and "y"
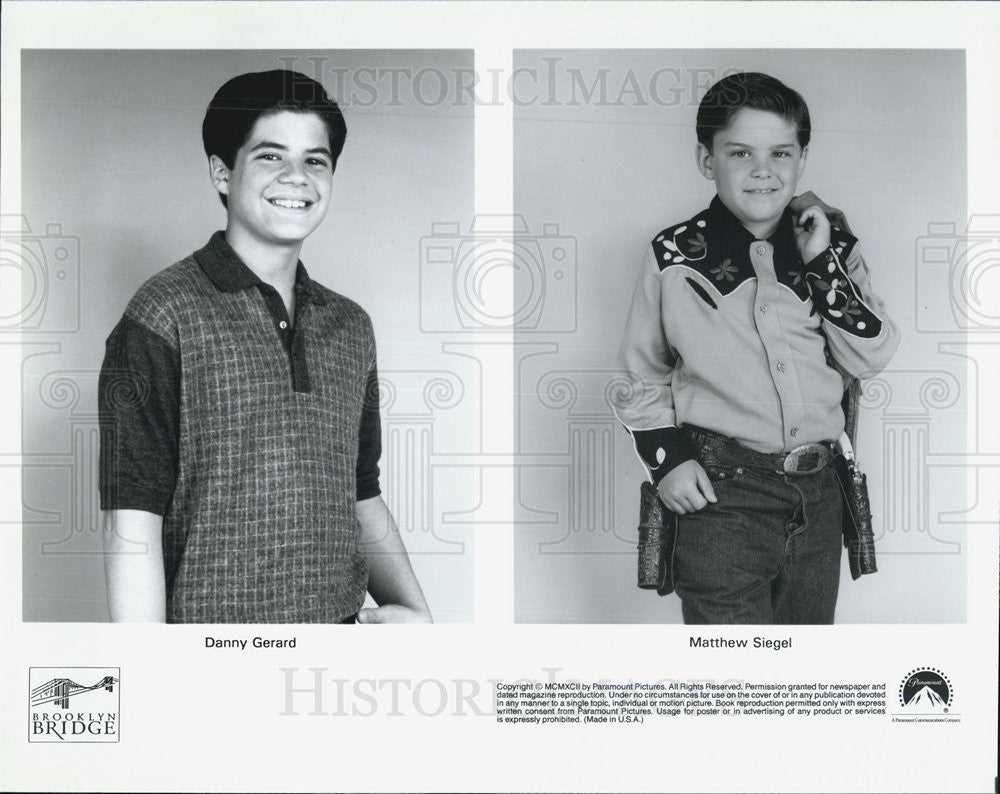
{"x": 236, "y": 107}
{"x": 750, "y": 90}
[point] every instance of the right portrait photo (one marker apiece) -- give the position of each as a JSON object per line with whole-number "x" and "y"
{"x": 745, "y": 324}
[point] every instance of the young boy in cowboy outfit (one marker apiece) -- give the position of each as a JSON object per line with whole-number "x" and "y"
{"x": 746, "y": 324}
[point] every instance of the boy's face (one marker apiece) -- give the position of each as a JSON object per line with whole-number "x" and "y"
{"x": 278, "y": 189}
{"x": 755, "y": 163}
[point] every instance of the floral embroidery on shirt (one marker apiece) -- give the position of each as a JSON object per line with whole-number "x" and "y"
{"x": 835, "y": 299}
{"x": 726, "y": 270}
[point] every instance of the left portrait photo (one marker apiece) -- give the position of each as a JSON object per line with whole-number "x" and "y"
{"x": 234, "y": 409}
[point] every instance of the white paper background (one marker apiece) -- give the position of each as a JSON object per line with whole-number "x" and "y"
{"x": 210, "y": 719}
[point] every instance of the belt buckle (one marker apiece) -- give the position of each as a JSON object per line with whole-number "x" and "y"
{"x": 806, "y": 459}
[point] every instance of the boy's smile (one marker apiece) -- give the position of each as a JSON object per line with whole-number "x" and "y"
{"x": 755, "y": 163}
{"x": 278, "y": 189}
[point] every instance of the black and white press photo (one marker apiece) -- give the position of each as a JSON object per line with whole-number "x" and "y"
{"x": 396, "y": 389}
{"x": 229, "y": 402}
{"x": 760, "y": 245}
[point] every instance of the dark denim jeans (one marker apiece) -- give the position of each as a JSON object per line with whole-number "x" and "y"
{"x": 768, "y": 551}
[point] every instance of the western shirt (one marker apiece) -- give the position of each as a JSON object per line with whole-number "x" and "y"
{"x": 738, "y": 336}
{"x": 253, "y": 437}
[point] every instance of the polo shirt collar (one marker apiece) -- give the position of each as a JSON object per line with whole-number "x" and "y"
{"x": 730, "y": 238}
{"x": 228, "y": 273}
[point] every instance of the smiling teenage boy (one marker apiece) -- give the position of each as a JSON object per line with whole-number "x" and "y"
{"x": 747, "y": 322}
{"x": 239, "y": 401}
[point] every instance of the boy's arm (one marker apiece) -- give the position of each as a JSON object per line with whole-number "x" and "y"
{"x": 645, "y": 404}
{"x": 138, "y": 399}
{"x": 133, "y": 566}
{"x": 861, "y": 335}
{"x": 391, "y": 581}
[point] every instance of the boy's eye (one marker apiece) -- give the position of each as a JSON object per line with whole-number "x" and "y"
{"x": 317, "y": 161}
{"x": 740, "y": 153}
{"x": 782, "y": 153}
{"x": 269, "y": 156}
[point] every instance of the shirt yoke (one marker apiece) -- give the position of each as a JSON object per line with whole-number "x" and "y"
{"x": 718, "y": 250}
{"x": 162, "y": 299}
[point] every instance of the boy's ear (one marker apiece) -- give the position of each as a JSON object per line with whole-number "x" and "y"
{"x": 219, "y": 173}
{"x": 703, "y": 157}
{"x": 802, "y": 162}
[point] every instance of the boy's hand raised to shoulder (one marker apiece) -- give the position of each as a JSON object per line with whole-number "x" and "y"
{"x": 812, "y": 232}
{"x": 834, "y": 215}
{"x": 686, "y": 488}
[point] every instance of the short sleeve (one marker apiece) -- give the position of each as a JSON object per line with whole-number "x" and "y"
{"x": 369, "y": 440}
{"x": 139, "y": 405}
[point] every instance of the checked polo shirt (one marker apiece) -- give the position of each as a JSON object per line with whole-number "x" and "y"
{"x": 252, "y": 436}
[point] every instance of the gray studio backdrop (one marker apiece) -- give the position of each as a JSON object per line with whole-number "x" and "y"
{"x": 603, "y": 159}
{"x": 115, "y": 187}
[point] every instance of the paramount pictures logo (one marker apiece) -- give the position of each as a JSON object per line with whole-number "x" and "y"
{"x": 926, "y": 695}
{"x": 926, "y": 690}
{"x": 73, "y": 704}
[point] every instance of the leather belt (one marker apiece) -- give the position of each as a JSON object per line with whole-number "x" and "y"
{"x": 803, "y": 460}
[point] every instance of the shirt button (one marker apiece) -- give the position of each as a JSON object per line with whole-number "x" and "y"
{"x": 763, "y": 308}
{"x": 794, "y": 432}
{"x": 761, "y": 249}
{"x": 282, "y": 325}
{"x": 781, "y": 366}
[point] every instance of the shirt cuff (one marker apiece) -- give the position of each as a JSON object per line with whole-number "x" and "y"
{"x": 836, "y": 298}
{"x": 367, "y": 488}
{"x": 135, "y": 497}
{"x": 662, "y": 450}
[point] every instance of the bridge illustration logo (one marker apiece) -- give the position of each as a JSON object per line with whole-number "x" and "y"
{"x": 93, "y": 714}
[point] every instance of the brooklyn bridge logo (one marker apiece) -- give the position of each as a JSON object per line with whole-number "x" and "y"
{"x": 58, "y": 691}
{"x": 73, "y": 704}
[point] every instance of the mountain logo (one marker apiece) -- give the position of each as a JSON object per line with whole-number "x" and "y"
{"x": 926, "y": 689}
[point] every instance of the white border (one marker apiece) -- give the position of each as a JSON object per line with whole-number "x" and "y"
{"x": 187, "y": 731}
